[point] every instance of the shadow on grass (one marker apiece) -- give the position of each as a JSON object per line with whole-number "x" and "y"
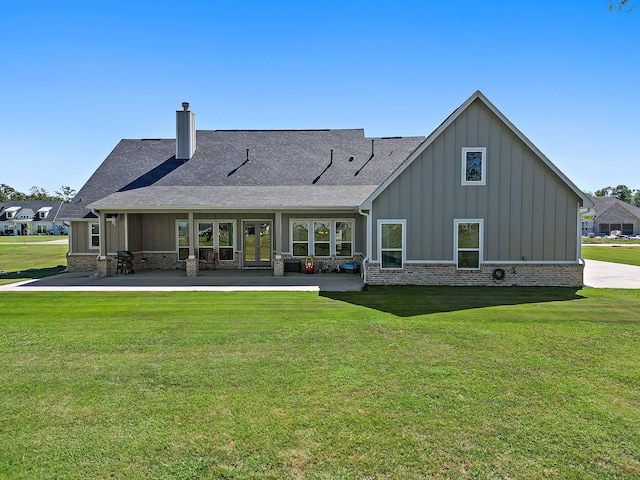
{"x": 32, "y": 273}
{"x": 407, "y": 301}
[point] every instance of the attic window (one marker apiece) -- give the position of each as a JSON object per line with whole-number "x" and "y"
{"x": 10, "y": 214}
{"x": 474, "y": 166}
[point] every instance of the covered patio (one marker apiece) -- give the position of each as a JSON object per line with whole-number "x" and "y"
{"x": 208, "y": 280}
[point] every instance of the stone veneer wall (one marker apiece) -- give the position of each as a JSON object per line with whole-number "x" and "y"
{"x": 329, "y": 264}
{"x": 169, "y": 261}
{"x": 82, "y": 263}
{"x": 530, "y": 275}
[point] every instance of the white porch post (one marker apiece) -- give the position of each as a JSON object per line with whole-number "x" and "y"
{"x": 102, "y": 262}
{"x": 102, "y": 232}
{"x": 278, "y": 261}
{"x": 278, "y": 233}
{"x": 192, "y": 262}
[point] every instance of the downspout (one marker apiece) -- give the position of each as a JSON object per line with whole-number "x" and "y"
{"x": 366, "y": 258}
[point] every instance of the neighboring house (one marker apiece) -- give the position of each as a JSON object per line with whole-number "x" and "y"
{"x": 474, "y": 203}
{"x": 611, "y": 214}
{"x": 31, "y": 218}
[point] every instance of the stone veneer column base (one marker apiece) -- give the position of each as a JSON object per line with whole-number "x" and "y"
{"x": 192, "y": 267}
{"x": 103, "y": 267}
{"x": 278, "y": 267}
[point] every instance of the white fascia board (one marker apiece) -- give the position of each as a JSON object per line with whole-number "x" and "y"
{"x": 182, "y": 208}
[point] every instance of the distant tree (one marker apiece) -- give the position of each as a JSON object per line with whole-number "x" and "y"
{"x": 39, "y": 194}
{"x": 635, "y": 200}
{"x": 8, "y": 193}
{"x": 65, "y": 193}
{"x": 622, "y": 192}
{"x": 604, "y": 192}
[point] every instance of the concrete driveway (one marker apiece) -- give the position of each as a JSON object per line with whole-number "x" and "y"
{"x": 610, "y": 275}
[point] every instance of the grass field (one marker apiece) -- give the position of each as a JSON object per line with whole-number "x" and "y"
{"x": 30, "y": 238}
{"x": 616, "y": 254}
{"x": 23, "y": 261}
{"x": 617, "y": 241}
{"x": 400, "y": 383}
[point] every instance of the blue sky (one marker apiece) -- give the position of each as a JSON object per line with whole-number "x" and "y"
{"x": 78, "y": 76}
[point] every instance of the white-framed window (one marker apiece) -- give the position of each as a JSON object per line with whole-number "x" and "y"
{"x": 468, "y": 234}
{"x": 321, "y": 238}
{"x": 94, "y": 235}
{"x": 474, "y": 166}
{"x": 344, "y": 238}
{"x": 391, "y": 243}
{"x": 216, "y": 235}
{"x": 182, "y": 239}
{"x": 10, "y": 214}
{"x": 300, "y": 238}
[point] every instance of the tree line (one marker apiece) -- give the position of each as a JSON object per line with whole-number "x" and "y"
{"x": 64, "y": 194}
{"x": 621, "y": 192}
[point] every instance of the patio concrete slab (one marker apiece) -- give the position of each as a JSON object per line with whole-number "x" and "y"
{"x": 218, "y": 280}
{"x": 596, "y": 274}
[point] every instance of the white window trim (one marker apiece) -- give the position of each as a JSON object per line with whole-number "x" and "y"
{"x": 332, "y": 238}
{"x": 483, "y": 173}
{"x": 402, "y": 222}
{"x": 177, "y": 237}
{"x": 91, "y": 235}
{"x": 458, "y": 221}
{"x": 216, "y": 238}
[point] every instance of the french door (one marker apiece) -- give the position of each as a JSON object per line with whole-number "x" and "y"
{"x": 256, "y": 243}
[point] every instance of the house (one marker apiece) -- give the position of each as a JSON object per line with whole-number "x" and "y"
{"x": 31, "y": 218}
{"x": 610, "y": 214}
{"x": 474, "y": 203}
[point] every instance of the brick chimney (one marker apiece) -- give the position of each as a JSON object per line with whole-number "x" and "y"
{"x": 185, "y": 133}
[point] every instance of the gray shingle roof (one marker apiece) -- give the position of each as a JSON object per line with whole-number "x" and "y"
{"x": 281, "y": 171}
{"x": 601, "y": 204}
{"x": 33, "y": 206}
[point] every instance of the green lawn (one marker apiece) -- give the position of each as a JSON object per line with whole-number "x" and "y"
{"x": 31, "y": 238}
{"x": 615, "y": 254}
{"x": 618, "y": 241}
{"x": 404, "y": 383}
{"x": 28, "y": 260}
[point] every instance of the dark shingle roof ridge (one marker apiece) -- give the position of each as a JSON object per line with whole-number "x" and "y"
{"x": 279, "y": 130}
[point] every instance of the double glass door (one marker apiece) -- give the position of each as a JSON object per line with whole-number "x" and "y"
{"x": 256, "y": 244}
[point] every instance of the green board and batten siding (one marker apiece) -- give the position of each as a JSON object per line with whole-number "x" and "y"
{"x": 529, "y": 213}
